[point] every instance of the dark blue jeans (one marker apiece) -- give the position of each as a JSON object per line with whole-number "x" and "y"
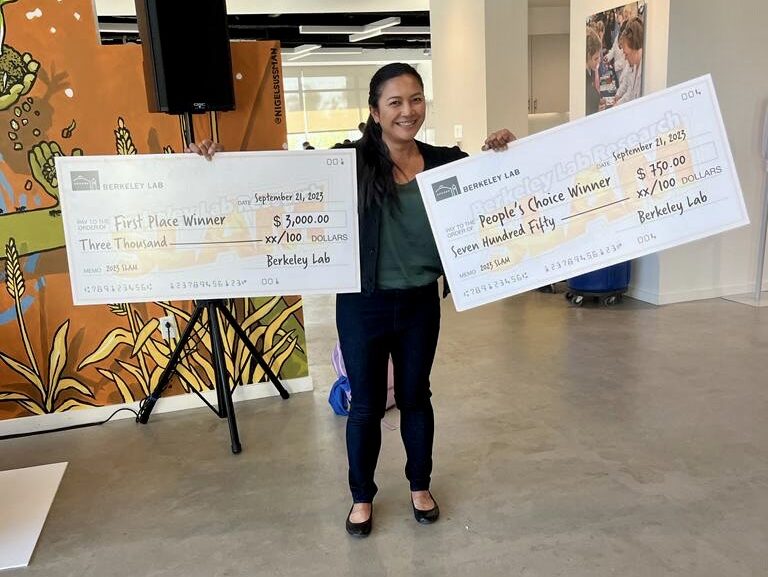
{"x": 405, "y": 324}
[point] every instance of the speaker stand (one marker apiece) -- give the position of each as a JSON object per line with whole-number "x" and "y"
{"x": 187, "y": 129}
{"x": 225, "y": 408}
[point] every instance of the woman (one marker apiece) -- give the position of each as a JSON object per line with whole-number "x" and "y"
{"x": 398, "y": 311}
{"x": 631, "y": 42}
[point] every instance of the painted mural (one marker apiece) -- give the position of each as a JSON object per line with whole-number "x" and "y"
{"x": 62, "y": 93}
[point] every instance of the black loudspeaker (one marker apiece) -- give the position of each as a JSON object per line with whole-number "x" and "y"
{"x": 187, "y": 63}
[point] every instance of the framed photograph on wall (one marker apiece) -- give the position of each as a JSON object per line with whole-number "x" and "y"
{"x": 614, "y": 56}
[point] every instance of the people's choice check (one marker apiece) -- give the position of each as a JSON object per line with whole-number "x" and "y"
{"x": 168, "y": 227}
{"x": 646, "y": 176}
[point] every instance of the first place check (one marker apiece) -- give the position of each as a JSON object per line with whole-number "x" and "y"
{"x": 646, "y": 176}
{"x": 175, "y": 227}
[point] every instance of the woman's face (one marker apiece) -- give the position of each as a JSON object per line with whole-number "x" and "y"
{"x": 633, "y": 56}
{"x": 401, "y": 108}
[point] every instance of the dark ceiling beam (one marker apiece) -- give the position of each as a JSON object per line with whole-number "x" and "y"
{"x": 285, "y": 29}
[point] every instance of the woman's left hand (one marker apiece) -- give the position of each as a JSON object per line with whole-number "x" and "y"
{"x": 498, "y": 140}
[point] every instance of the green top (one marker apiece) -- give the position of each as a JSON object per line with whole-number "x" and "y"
{"x": 408, "y": 255}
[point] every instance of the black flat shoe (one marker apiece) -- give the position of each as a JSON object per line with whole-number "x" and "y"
{"x": 360, "y": 529}
{"x": 426, "y": 517}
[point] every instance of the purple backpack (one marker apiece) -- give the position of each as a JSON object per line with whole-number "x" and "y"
{"x": 340, "y": 396}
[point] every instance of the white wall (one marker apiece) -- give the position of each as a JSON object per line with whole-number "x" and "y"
{"x": 549, "y": 70}
{"x": 458, "y": 71}
{"x": 479, "y": 69}
{"x": 506, "y": 65}
{"x": 727, "y": 40}
{"x": 548, "y": 20}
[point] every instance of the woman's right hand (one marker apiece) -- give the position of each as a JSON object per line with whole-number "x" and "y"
{"x": 206, "y": 148}
{"x": 498, "y": 140}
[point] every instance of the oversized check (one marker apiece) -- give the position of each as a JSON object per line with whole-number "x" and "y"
{"x": 645, "y": 176}
{"x": 174, "y": 226}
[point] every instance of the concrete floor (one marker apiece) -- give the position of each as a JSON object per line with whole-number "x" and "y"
{"x": 626, "y": 441}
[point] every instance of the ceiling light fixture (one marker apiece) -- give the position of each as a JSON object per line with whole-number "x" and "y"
{"x": 406, "y": 30}
{"x": 358, "y": 33}
{"x": 290, "y": 56}
{"x": 330, "y": 29}
{"x": 303, "y": 50}
{"x": 374, "y": 29}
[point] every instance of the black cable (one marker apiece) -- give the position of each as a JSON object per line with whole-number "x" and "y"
{"x": 69, "y": 428}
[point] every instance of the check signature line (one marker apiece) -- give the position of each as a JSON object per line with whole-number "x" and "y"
{"x": 215, "y": 242}
{"x": 596, "y": 208}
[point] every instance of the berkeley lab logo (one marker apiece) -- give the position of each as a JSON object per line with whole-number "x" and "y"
{"x": 446, "y": 188}
{"x": 84, "y": 179}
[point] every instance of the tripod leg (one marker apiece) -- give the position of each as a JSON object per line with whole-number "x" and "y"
{"x": 222, "y": 379}
{"x": 170, "y": 368}
{"x": 221, "y": 402}
{"x": 255, "y": 352}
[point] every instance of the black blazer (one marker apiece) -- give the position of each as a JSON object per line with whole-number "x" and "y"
{"x": 370, "y": 218}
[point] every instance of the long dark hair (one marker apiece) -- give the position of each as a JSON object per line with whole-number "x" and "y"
{"x": 376, "y": 181}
